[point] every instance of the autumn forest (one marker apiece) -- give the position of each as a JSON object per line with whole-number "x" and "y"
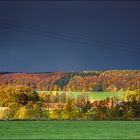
{"x": 113, "y": 80}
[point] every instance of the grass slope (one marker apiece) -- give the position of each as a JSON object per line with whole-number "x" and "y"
{"x": 91, "y": 95}
{"x": 70, "y": 130}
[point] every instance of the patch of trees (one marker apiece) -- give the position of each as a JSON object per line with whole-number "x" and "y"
{"x": 24, "y": 103}
{"x": 17, "y": 95}
{"x": 109, "y": 80}
{"x": 45, "y": 81}
{"x": 98, "y": 87}
{"x": 63, "y": 81}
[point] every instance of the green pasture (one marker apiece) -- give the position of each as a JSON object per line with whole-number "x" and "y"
{"x": 69, "y": 130}
{"x": 90, "y": 95}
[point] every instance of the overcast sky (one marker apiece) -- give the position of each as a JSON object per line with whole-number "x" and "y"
{"x": 69, "y": 36}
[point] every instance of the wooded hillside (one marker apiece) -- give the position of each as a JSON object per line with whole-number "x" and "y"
{"x": 113, "y": 80}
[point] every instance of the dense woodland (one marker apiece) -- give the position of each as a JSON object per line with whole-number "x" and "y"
{"x": 113, "y": 80}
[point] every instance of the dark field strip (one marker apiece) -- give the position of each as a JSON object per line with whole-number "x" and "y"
{"x": 69, "y": 129}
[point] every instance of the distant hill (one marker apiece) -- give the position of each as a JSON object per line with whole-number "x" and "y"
{"x": 111, "y": 80}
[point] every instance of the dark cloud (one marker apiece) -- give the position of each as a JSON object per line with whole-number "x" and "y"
{"x": 61, "y": 36}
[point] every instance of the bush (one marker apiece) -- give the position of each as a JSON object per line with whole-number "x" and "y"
{"x": 133, "y": 99}
{"x": 56, "y": 114}
{"x": 31, "y": 111}
{"x": 70, "y": 110}
{"x": 133, "y": 96}
{"x": 122, "y": 110}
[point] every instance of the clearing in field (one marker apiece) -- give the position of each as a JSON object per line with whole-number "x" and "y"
{"x": 70, "y": 130}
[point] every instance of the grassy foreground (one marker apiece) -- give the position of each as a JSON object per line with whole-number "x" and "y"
{"x": 70, "y": 130}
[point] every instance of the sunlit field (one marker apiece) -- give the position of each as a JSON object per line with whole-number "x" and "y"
{"x": 70, "y": 130}
{"x": 90, "y": 95}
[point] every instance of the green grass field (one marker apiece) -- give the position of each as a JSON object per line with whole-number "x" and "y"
{"x": 91, "y": 95}
{"x": 69, "y": 129}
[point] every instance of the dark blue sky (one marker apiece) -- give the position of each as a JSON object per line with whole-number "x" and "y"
{"x": 69, "y": 36}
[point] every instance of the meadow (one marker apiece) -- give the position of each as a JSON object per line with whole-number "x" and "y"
{"x": 69, "y": 129}
{"x": 90, "y": 95}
